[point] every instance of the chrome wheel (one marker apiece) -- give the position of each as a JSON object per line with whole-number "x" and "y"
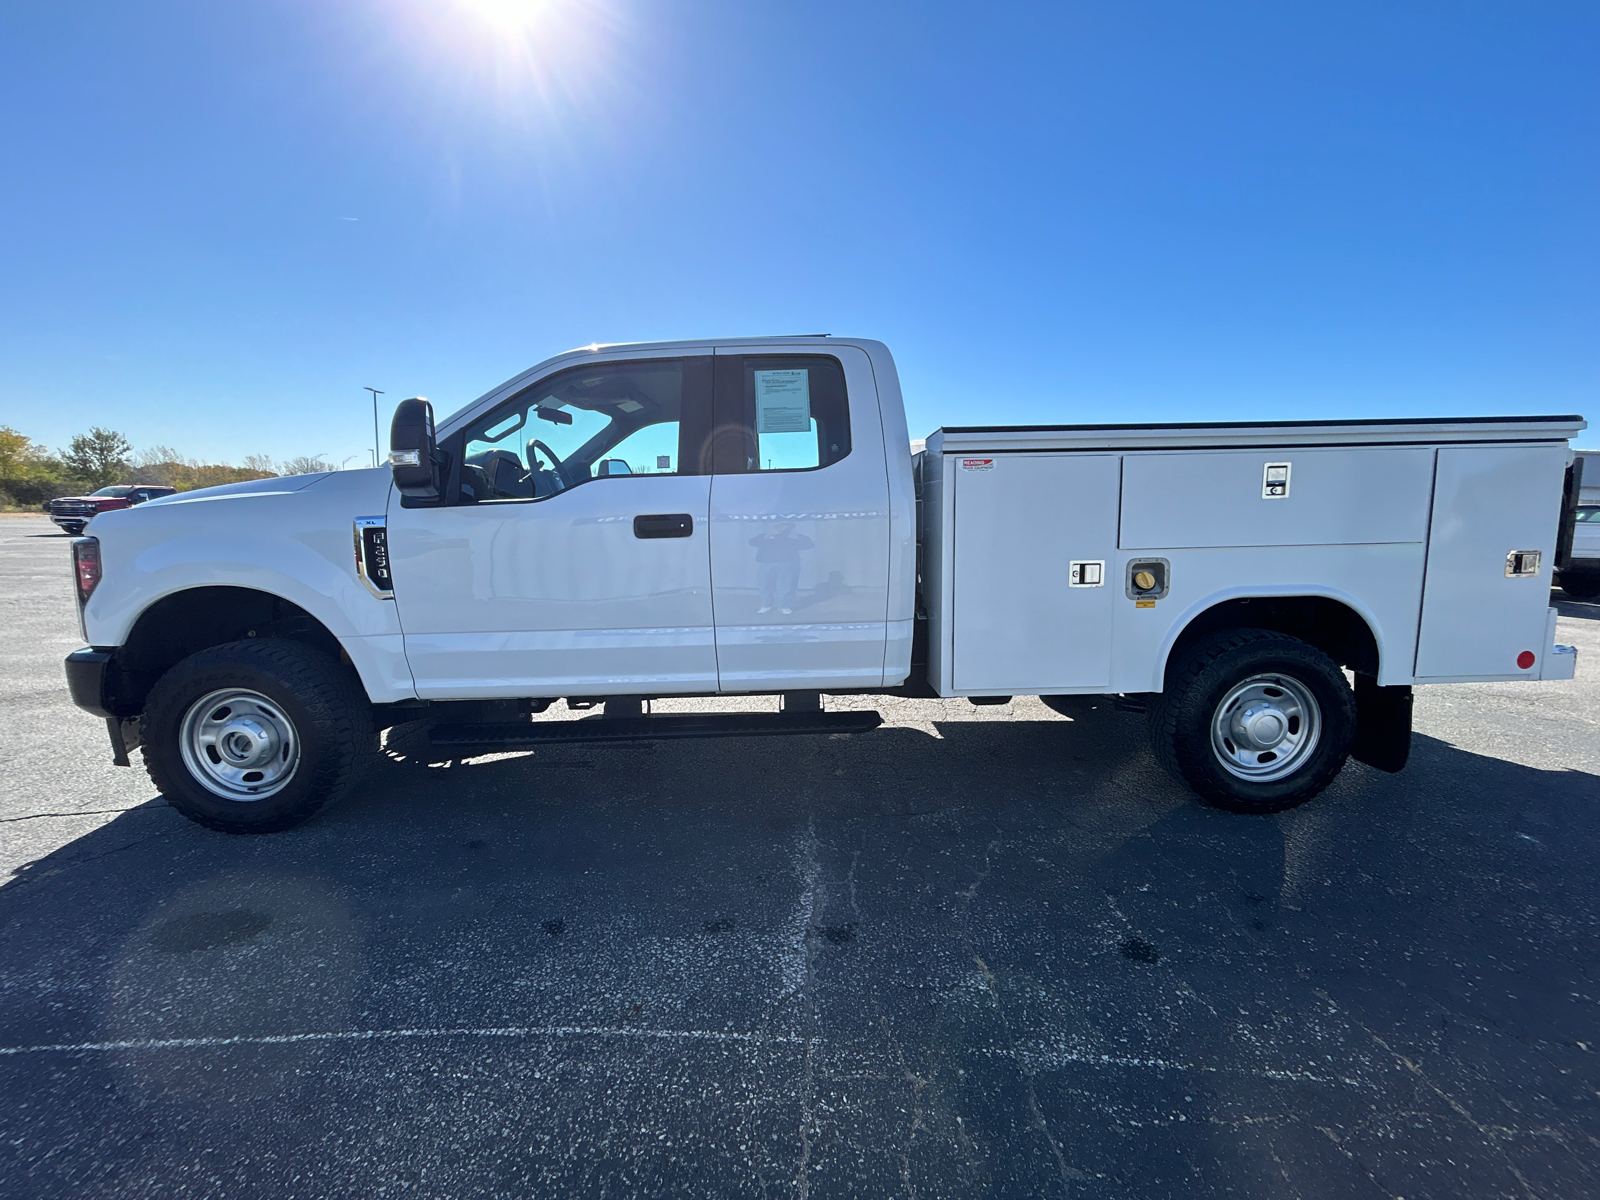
{"x": 239, "y": 744}
{"x": 1266, "y": 728}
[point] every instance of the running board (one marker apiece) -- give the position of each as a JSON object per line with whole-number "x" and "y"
{"x": 514, "y": 734}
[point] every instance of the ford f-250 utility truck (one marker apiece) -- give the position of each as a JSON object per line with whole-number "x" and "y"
{"x": 623, "y": 523}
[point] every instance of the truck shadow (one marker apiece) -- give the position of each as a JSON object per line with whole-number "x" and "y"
{"x": 593, "y": 886}
{"x": 646, "y": 814}
{"x": 1584, "y": 610}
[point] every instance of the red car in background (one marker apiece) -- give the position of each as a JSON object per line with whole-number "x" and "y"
{"x": 72, "y": 513}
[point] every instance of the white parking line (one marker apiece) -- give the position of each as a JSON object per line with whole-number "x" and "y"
{"x": 381, "y": 1035}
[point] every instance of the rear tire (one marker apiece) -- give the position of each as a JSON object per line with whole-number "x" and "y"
{"x": 256, "y": 736}
{"x": 1254, "y": 721}
{"x": 1581, "y": 587}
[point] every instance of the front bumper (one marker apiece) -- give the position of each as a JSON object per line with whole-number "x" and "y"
{"x": 91, "y": 680}
{"x": 86, "y": 679}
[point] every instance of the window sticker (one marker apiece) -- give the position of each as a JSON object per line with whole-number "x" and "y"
{"x": 783, "y": 401}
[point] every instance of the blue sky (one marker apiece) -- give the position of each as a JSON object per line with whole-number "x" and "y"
{"x": 1116, "y": 211}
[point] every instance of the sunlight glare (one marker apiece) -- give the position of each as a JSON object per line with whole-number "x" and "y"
{"x": 511, "y": 16}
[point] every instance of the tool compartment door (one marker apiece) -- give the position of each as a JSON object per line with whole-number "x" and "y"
{"x": 1021, "y": 622}
{"x": 1489, "y": 501}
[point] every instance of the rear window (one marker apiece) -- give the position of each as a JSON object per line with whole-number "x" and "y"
{"x": 1589, "y": 512}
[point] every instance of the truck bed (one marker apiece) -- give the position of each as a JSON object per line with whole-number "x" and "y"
{"x": 1033, "y": 535}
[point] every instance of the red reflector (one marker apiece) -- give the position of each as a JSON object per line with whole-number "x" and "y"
{"x": 1525, "y": 659}
{"x": 86, "y": 566}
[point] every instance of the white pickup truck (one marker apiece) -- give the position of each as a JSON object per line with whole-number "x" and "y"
{"x": 623, "y": 523}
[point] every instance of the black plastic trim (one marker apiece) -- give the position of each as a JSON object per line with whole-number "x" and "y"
{"x": 86, "y": 680}
{"x": 648, "y": 729}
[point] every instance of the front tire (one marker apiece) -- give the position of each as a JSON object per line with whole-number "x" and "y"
{"x": 256, "y": 736}
{"x": 1254, "y": 721}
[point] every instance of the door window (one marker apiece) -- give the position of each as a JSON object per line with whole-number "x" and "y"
{"x": 781, "y": 413}
{"x": 607, "y": 421}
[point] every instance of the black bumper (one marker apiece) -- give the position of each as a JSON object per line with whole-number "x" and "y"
{"x": 86, "y": 679}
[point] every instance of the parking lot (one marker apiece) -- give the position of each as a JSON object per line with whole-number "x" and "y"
{"x": 983, "y": 951}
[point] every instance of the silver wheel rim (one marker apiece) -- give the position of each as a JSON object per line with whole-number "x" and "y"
{"x": 239, "y": 744}
{"x": 1266, "y": 728}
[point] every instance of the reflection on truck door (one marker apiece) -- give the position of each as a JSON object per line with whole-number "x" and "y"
{"x": 799, "y": 521}
{"x": 538, "y": 577}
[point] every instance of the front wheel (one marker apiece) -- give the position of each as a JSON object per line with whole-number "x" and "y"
{"x": 256, "y": 736}
{"x": 1254, "y": 721}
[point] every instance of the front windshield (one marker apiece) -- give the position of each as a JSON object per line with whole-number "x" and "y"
{"x": 113, "y": 491}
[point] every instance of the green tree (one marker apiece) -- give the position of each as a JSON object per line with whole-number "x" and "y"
{"x": 99, "y": 456}
{"x": 20, "y": 456}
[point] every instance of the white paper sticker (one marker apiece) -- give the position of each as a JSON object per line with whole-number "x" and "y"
{"x": 783, "y": 401}
{"x": 977, "y": 464}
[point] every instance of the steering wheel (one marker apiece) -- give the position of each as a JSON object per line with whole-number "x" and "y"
{"x": 535, "y": 444}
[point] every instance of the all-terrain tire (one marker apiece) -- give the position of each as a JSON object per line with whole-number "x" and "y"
{"x": 319, "y": 701}
{"x": 1585, "y": 586}
{"x": 1182, "y": 718}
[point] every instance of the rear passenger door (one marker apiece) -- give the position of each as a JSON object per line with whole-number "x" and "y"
{"x": 799, "y": 519}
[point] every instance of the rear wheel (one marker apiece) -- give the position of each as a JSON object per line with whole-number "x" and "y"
{"x": 1254, "y": 721}
{"x": 1581, "y": 587}
{"x": 256, "y": 736}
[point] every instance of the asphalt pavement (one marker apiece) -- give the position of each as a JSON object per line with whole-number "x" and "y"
{"x": 981, "y": 952}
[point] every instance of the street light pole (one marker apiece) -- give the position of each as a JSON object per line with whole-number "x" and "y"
{"x": 375, "y": 394}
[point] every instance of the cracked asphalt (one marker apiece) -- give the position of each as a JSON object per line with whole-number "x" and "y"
{"x": 981, "y": 952}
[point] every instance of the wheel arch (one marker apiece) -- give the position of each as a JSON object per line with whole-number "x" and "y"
{"x": 186, "y": 621}
{"x": 1336, "y": 623}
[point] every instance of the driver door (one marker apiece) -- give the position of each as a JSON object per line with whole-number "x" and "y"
{"x": 570, "y": 556}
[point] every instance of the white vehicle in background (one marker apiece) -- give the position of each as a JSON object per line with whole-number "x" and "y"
{"x": 740, "y": 517}
{"x": 1579, "y": 573}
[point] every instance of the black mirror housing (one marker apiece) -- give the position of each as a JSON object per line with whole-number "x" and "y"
{"x": 412, "y": 454}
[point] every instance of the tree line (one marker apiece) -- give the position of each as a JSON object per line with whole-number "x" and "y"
{"x": 31, "y": 476}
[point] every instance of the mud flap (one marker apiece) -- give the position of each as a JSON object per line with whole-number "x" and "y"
{"x": 126, "y": 734}
{"x": 1383, "y": 724}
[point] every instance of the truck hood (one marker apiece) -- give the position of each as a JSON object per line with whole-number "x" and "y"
{"x": 340, "y": 494}
{"x": 253, "y": 487}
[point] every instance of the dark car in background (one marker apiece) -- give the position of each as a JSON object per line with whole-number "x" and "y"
{"x": 72, "y": 513}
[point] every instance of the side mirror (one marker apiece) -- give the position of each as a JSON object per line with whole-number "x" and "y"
{"x": 411, "y": 450}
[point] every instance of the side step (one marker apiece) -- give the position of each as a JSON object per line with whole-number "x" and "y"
{"x": 513, "y": 734}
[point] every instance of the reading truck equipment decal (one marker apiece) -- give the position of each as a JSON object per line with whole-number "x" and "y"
{"x": 977, "y": 464}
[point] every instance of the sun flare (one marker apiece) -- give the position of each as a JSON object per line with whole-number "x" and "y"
{"x": 512, "y": 16}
